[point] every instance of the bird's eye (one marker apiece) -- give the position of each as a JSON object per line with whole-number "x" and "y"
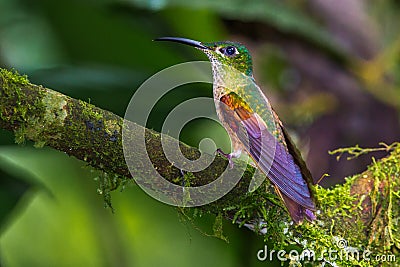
{"x": 229, "y": 51}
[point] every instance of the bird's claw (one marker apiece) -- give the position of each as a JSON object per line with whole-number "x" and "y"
{"x": 227, "y": 156}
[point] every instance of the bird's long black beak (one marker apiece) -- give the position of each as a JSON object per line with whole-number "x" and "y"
{"x": 190, "y": 42}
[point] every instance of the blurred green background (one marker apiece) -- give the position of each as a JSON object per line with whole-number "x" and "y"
{"x": 330, "y": 68}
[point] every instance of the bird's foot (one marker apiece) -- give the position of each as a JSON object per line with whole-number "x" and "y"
{"x": 228, "y": 156}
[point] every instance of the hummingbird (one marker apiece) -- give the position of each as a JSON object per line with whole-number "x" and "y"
{"x": 253, "y": 125}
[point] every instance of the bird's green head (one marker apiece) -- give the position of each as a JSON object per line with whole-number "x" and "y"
{"x": 228, "y": 53}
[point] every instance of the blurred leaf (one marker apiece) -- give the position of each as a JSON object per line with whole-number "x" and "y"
{"x": 203, "y": 24}
{"x": 284, "y": 16}
{"x": 12, "y": 190}
{"x": 20, "y": 44}
{"x": 17, "y": 168}
{"x": 380, "y": 74}
{"x": 15, "y": 180}
{"x": 72, "y": 228}
{"x": 92, "y": 33}
{"x": 97, "y": 77}
{"x": 306, "y": 111}
{"x": 49, "y": 225}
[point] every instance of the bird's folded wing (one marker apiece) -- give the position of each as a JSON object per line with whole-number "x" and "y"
{"x": 269, "y": 154}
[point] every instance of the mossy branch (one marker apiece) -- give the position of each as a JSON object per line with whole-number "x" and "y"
{"x": 364, "y": 211}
